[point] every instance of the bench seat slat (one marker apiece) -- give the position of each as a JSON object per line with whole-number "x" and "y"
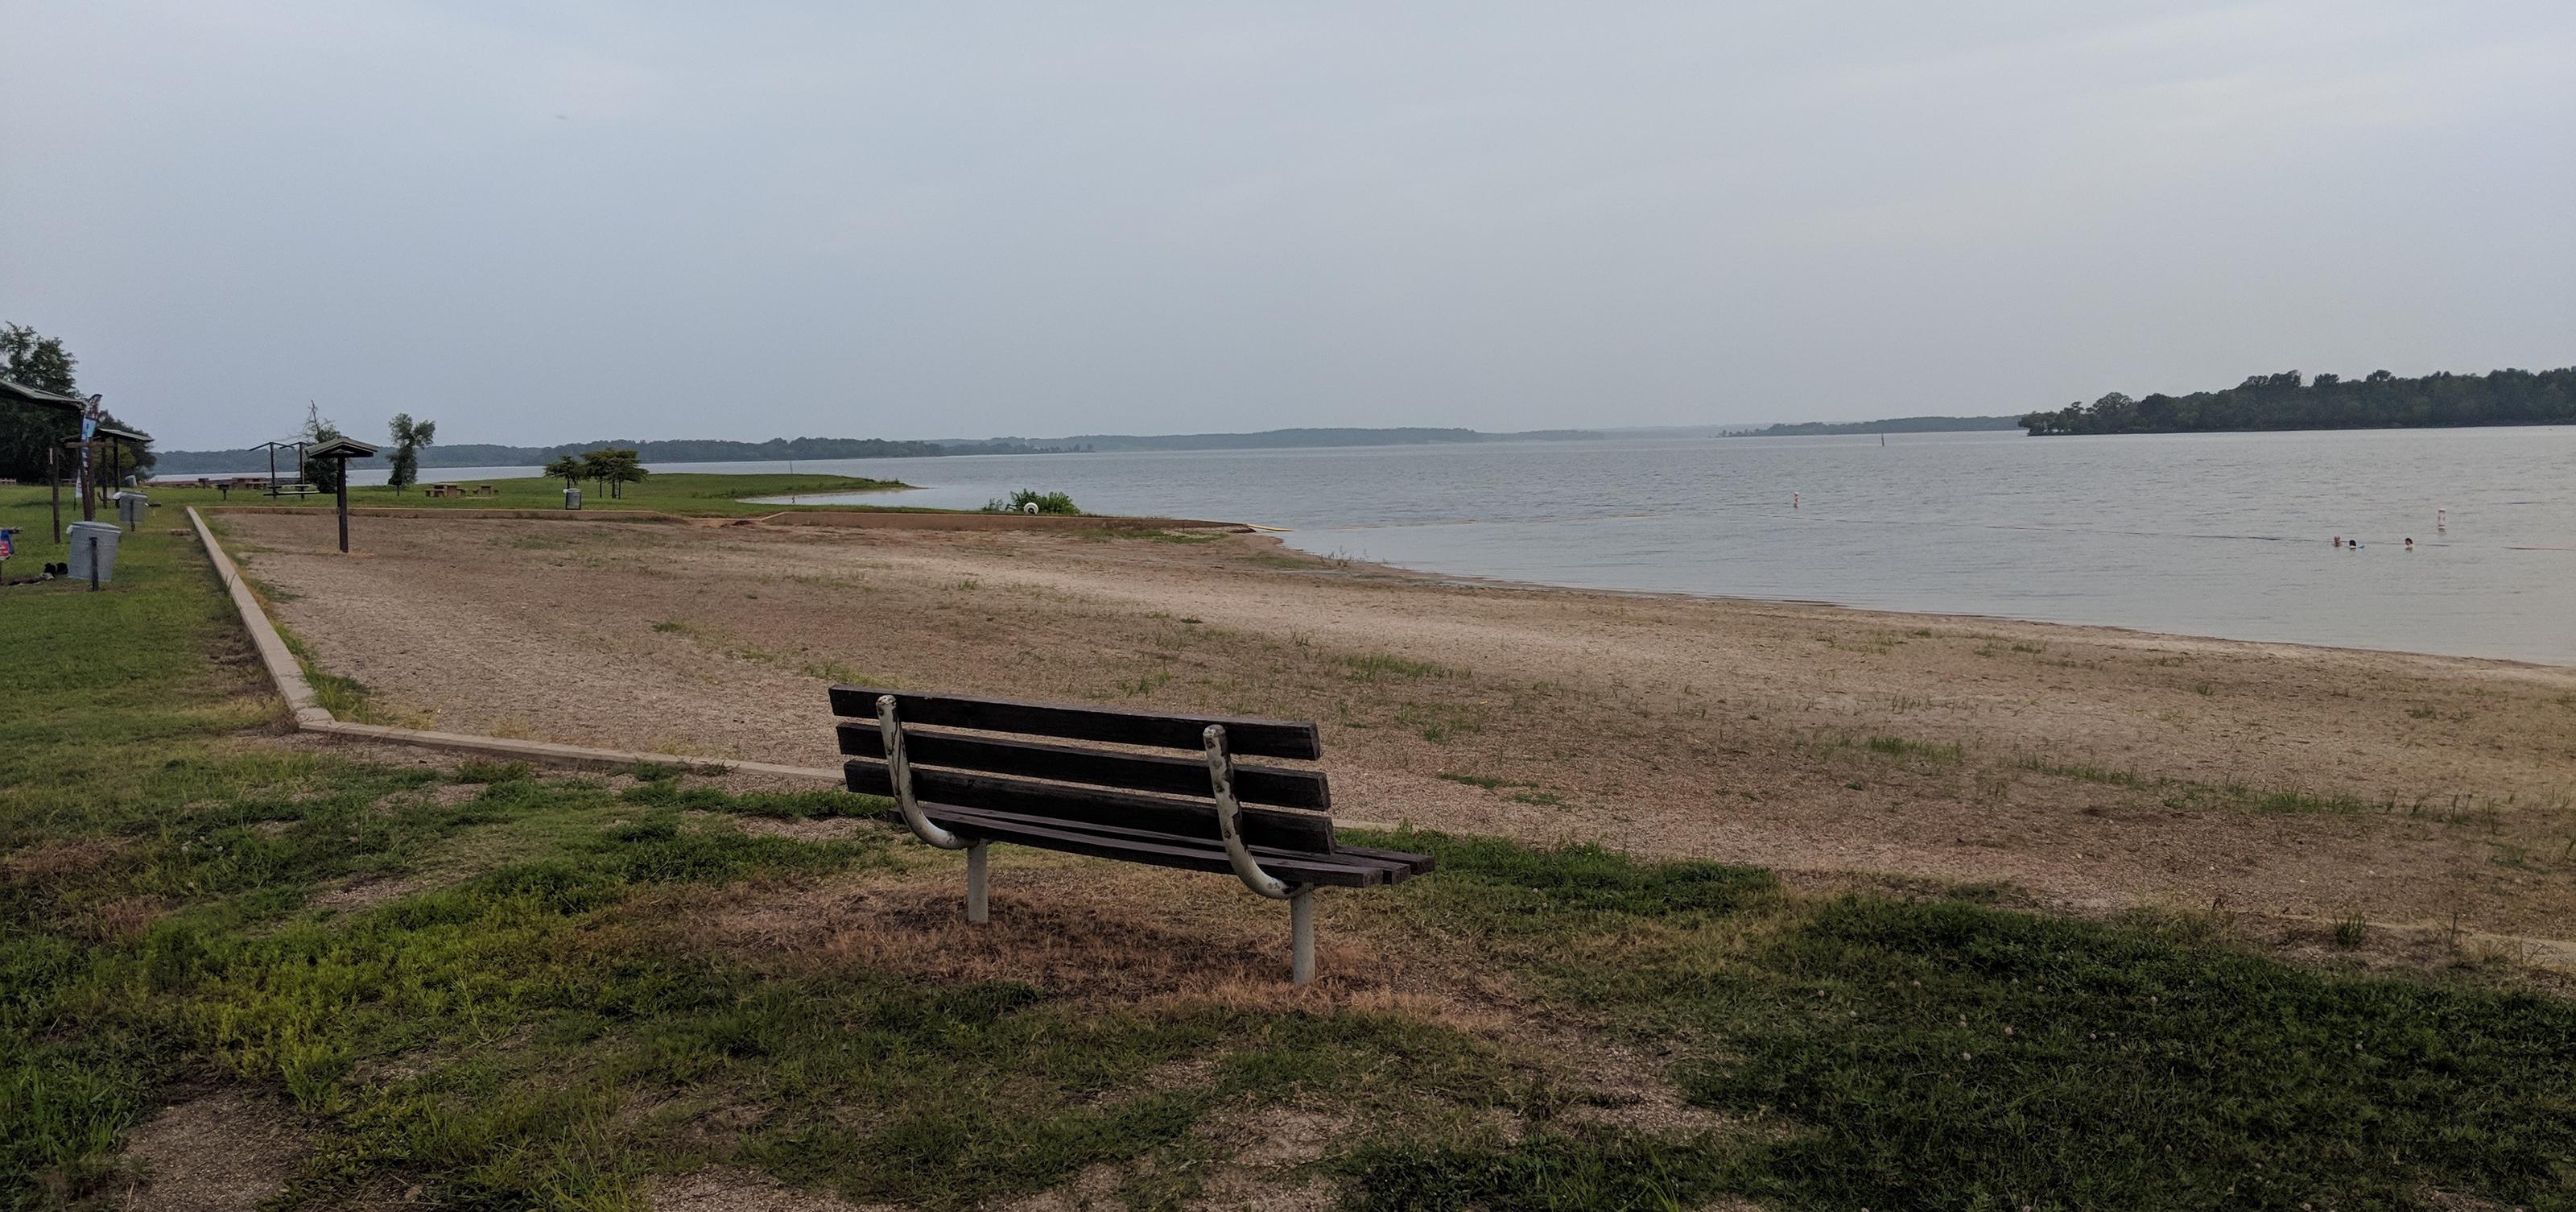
{"x": 1133, "y": 771}
{"x": 1397, "y": 867}
{"x": 1159, "y": 850}
{"x": 1414, "y": 864}
{"x": 1290, "y": 831}
{"x": 1247, "y": 737}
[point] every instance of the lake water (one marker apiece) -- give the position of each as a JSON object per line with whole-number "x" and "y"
{"x": 2202, "y": 534}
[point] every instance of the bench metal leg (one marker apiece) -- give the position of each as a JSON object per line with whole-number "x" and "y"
{"x": 975, "y": 908}
{"x": 1301, "y": 935}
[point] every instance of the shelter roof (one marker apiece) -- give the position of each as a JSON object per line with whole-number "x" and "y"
{"x": 340, "y": 448}
{"x": 20, "y": 393}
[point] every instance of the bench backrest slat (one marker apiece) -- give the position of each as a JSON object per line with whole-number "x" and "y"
{"x": 1244, "y": 737}
{"x": 1070, "y": 764}
{"x": 1097, "y": 806}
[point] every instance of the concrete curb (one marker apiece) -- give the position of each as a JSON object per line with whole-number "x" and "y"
{"x": 310, "y": 717}
{"x": 282, "y": 666}
{"x": 554, "y": 754}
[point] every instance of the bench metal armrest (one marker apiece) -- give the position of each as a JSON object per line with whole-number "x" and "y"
{"x": 899, "y": 770}
{"x": 1221, "y": 784}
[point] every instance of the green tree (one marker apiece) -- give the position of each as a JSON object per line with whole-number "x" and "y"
{"x": 409, "y": 436}
{"x": 568, "y": 468}
{"x": 613, "y": 467}
{"x": 629, "y": 469}
{"x": 594, "y": 468}
{"x": 2288, "y": 401}
{"x": 37, "y": 360}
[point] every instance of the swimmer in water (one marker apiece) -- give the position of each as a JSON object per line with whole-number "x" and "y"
{"x": 2410, "y": 542}
{"x": 2338, "y": 540}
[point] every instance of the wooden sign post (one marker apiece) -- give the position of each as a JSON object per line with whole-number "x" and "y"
{"x": 341, "y": 450}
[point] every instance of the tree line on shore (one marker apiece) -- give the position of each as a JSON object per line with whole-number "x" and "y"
{"x": 2288, "y": 400}
{"x": 684, "y": 450}
{"x": 1788, "y": 429}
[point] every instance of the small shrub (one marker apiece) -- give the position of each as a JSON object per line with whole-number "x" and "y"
{"x": 1047, "y": 502}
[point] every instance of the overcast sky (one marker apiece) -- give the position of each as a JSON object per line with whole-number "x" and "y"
{"x": 577, "y": 220}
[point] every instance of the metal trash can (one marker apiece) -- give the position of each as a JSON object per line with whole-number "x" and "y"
{"x": 572, "y": 498}
{"x": 86, "y": 538}
{"x": 130, "y": 507}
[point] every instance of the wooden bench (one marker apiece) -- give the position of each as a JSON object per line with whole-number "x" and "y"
{"x": 958, "y": 785}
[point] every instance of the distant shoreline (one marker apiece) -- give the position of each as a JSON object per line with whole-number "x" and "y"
{"x": 788, "y": 450}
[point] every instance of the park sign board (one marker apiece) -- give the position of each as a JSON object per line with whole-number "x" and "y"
{"x": 343, "y": 450}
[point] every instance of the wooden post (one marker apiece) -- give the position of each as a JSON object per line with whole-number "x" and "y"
{"x": 344, "y": 507}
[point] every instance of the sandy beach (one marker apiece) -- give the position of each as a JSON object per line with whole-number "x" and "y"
{"x": 2085, "y": 768}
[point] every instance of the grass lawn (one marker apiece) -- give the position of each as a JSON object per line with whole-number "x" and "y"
{"x": 523, "y": 1019}
{"x": 693, "y": 494}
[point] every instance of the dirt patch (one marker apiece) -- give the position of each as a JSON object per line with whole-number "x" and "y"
{"x": 725, "y": 1190}
{"x": 2095, "y": 767}
{"x": 1267, "y": 1157}
{"x": 806, "y": 829}
{"x": 1628, "y": 1089}
{"x": 122, "y": 919}
{"x": 363, "y": 892}
{"x": 1242, "y": 1190}
{"x": 58, "y": 861}
{"x": 1274, "y": 1136}
{"x": 1098, "y": 933}
{"x": 221, "y": 1152}
{"x": 1095, "y": 1189}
